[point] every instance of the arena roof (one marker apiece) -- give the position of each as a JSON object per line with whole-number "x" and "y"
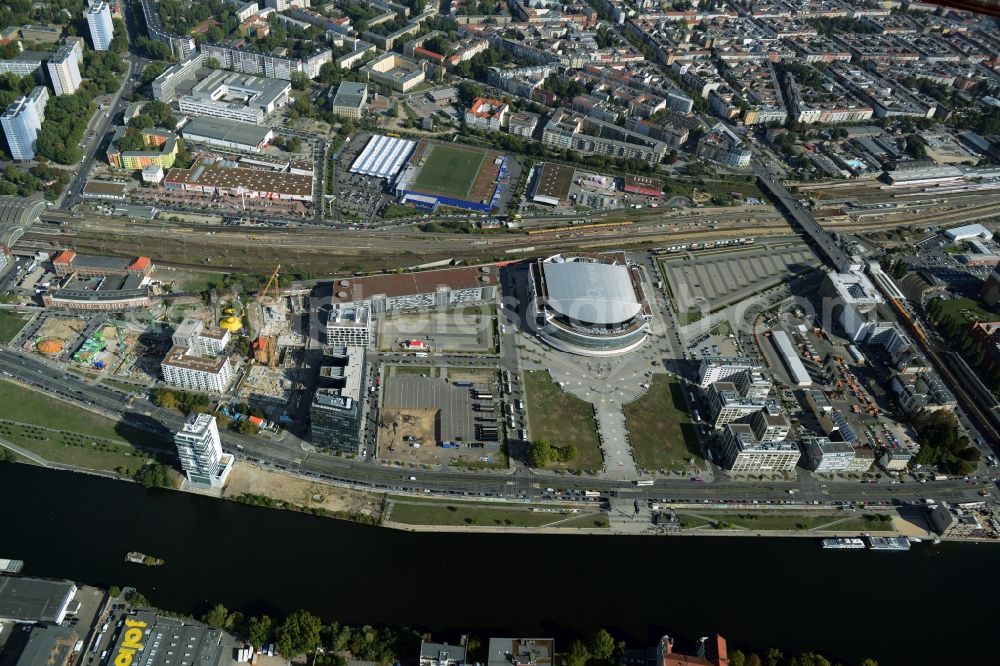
{"x": 590, "y": 291}
{"x": 16, "y": 215}
{"x": 383, "y": 156}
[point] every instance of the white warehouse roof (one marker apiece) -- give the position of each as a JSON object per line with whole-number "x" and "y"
{"x": 969, "y": 231}
{"x": 591, "y": 291}
{"x": 383, "y": 156}
{"x": 792, "y": 361}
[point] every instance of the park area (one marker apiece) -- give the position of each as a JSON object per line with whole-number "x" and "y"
{"x": 67, "y": 434}
{"x": 562, "y": 420}
{"x": 798, "y": 521}
{"x": 660, "y": 429}
{"x": 459, "y": 514}
{"x": 11, "y": 324}
{"x": 449, "y": 171}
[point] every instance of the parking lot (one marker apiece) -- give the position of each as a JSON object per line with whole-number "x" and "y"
{"x": 456, "y": 331}
{"x": 719, "y": 278}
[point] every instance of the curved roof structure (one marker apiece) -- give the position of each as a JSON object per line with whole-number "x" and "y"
{"x": 16, "y": 215}
{"x": 590, "y": 291}
{"x": 232, "y": 323}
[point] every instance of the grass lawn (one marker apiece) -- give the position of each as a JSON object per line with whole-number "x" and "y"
{"x": 966, "y": 310}
{"x": 562, "y": 419}
{"x": 31, "y": 407}
{"x": 449, "y": 171}
{"x": 587, "y": 520}
{"x": 393, "y": 211}
{"x": 471, "y": 514}
{"x": 767, "y": 520}
{"x": 11, "y": 324}
{"x": 660, "y": 428}
{"x": 73, "y": 448}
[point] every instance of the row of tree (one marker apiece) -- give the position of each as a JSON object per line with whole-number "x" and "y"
{"x": 541, "y": 453}
{"x": 183, "y": 401}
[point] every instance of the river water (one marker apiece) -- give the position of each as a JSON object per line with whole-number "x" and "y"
{"x": 901, "y": 608}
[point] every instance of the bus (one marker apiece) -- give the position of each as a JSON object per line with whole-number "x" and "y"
{"x": 643, "y": 483}
{"x": 421, "y": 354}
{"x": 479, "y": 395}
{"x": 591, "y": 493}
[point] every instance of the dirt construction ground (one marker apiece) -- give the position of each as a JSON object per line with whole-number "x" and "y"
{"x": 248, "y": 479}
{"x": 63, "y": 328}
{"x": 399, "y": 423}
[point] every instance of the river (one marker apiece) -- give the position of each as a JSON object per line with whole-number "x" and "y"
{"x": 900, "y": 608}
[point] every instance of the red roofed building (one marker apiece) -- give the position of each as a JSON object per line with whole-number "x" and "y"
{"x": 715, "y": 653}
{"x": 420, "y": 53}
{"x": 487, "y": 113}
{"x": 66, "y": 262}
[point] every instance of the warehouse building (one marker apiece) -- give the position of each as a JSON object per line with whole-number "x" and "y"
{"x": 589, "y": 304}
{"x": 228, "y": 134}
{"x": 226, "y": 178}
{"x": 443, "y": 288}
{"x": 796, "y": 369}
{"x": 156, "y": 640}
{"x": 35, "y": 600}
{"x": 383, "y": 156}
{"x": 65, "y": 262}
{"x": 552, "y": 184}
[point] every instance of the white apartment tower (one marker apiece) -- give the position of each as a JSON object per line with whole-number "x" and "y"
{"x": 64, "y": 68}
{"x": 200, "y": 451}
{"x": 102, "y": 29}
{"x": 21, "y": 122}
{"x": 184, "y": 369}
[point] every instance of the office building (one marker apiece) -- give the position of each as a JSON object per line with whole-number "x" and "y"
{"x": 350, "y": 99}
{"x": 441, "y": 654}
{"x": 769, "y": 424}
{"x": 177, "y": 76}
{"x": 825, "y": 456}
{"x": 200, "y": 452}
{"x": 726, "y": 404}
{"x": 100, "y": 24}
{"x": 64, "y": 68}
{"x": 240, "y": 97}
{"x": 113, "y": 293}
{"x": 722, "y": 368}
{"x": 335, "y": 412}
{"x": 185, "y": 369}
{"x": 745, "y": 454}
{"x": 21, "y": 122}
{"x": 349, "y": 326}
{"x": 852, "y": 299}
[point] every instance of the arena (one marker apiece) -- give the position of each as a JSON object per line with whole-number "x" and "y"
{"x": 589, "y": 304}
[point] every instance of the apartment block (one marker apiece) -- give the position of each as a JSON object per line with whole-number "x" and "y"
{"x": 185, "y": 369}
{"x": 64, "y": 68}
{"x": 349, "y": 326}
{"x": 100, "y": 25}
{"x": 199, "y": 449}
{"x": 21, "y": 122}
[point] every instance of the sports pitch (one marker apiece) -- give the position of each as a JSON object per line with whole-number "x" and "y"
{"x": 449, "y": 171}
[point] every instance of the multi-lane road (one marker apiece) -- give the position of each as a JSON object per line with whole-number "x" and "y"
{"x": 288, "y": 454}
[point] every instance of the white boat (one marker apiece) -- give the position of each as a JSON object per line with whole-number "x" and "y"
{"x": 843, "y": 544}
{"x": 897, "y": 544}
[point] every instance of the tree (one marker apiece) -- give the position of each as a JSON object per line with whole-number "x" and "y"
{"x": 578, "y": 654}
{"x": 602, "y": 645}
{"x": 539, "y": 453}
{"x": 6, "y": 456}
{"x": 300, "y": 80}
{"x": 246, "y": 427}
{"x": 219, "y": 616}
{"x": 156, "y": 475}
{"x": 737, "y": 658}
{"x": 299, "y": 633}
{"x": 260, "y": 630}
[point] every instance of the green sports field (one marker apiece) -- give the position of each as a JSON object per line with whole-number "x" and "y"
{"x": 449, "y": 171}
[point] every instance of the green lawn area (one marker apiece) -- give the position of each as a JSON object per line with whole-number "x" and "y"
{"x": 562, "y": 419}
{"x": 965, "y": 310}
{"x": 31, "y": 407}
{"x": 472, "y": 514}
{"x": 592, "y": 520}
{"x": 393, "y": 211}
{"x": 449, "y": 171}
{"x": 11, "y": 324}
{"x": 660, "y": 428}
{"x": 191, "y": 281}
{"x": 73, "y": 448}
{"x": 767, "y": 520}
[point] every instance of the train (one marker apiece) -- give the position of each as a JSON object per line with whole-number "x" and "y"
{"x": 576, "y": 227}
{"x": 708, "y": 245}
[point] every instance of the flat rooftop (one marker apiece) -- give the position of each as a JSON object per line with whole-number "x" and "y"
{"x": 220, "y": 129}
{"x": 170, "y": 642}
{"x": 407, "y": 284}
{"x": 213, "y": 175}
{"x": 178, "y": 357}
{"x": 554, "y": 181}
{"x": 34, "y": 599}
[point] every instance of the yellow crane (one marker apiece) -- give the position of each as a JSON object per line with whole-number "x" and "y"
{"x": 273, "y": 280}
{"x": 272, "y": 340}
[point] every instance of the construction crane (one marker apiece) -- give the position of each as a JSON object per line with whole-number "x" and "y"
{"x": 272, "y": 351}
{"x": 273, "y": 280}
